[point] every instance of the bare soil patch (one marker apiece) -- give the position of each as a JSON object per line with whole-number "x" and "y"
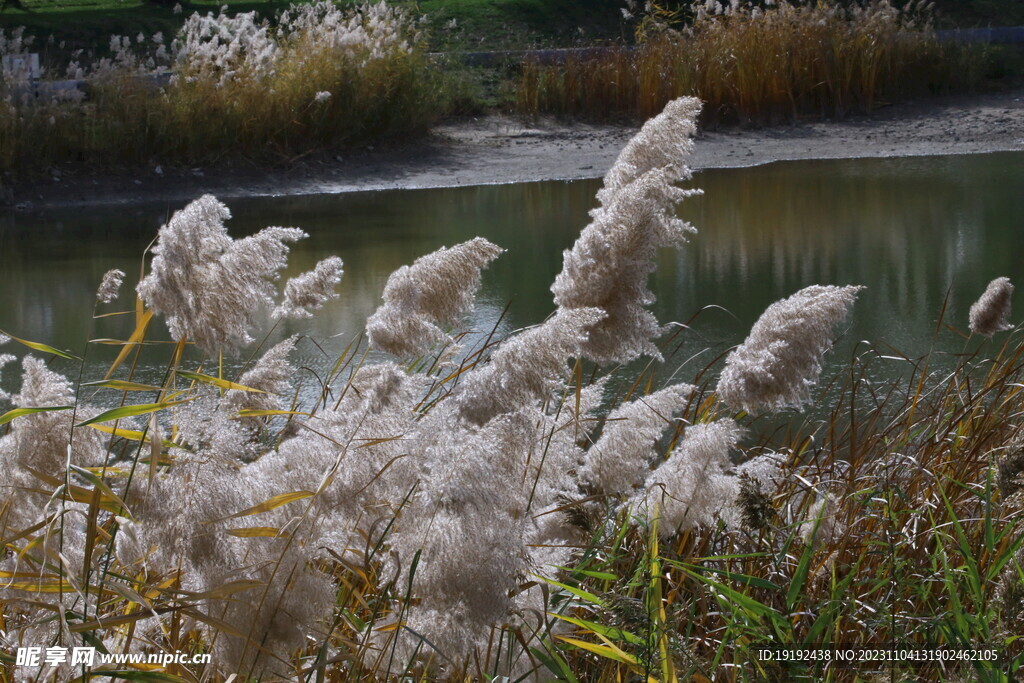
{"x": 501, "y": 149}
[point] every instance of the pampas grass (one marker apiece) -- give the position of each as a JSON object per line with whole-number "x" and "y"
{"x": 502, "y": 514}
{"x": 210, "y": 287}
{"x": 691, "y": 488}
{"x": 780, "y": 361}
{"x": 991, "y": 313}
{"x": 431, "y": 293}
{"x": 608, "y": 266}
{"x": 622, "y": 457}
{"x": 310, "y": 291}
{"x": 110, "y": 286}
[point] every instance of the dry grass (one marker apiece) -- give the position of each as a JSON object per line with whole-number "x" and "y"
{"x": 329, "y": 535}
{"x": 760, "y": 65}
{"x": 921, "y": 471}
{"x": 202, "y": 116}
{"x": 131, "y": 122}
{"x": 923, "y": 548}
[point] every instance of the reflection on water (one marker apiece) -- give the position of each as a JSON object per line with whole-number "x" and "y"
{"x": 909, "y": 229}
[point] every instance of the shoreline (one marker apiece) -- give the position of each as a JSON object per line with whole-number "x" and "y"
{"x": 499, "y": 149}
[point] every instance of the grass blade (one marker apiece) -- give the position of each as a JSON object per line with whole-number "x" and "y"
{"x": 20, "y": 412}
{"x": 42, "y": 348}
{"x": 130, "y": 411}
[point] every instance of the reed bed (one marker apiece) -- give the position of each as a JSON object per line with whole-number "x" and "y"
{"x": 754, "y": 63}
{"x": 226, "y": 87}
{"x": 914, "y": 540}
{"x": 479, "y": 508}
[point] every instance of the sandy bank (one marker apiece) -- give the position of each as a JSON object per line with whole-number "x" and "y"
{"x": 500, "y": 149}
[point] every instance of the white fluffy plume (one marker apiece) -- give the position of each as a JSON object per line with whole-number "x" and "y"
{"x": 306, "y": 293}
{"x": 436, "y": 290}
{"x": 209, "y": 286}
{"x": 622, "y": 457}
{"x": 527, "y": 367}
{"x": 781, "y": 358}
{"x": 692, "y": 488}
{"x": 110, "y": 287}
{"x": 40, "y": 441}
{"x": 609, "y": 265}
{"x": 5, "y": 358}
{"x": 991, "y": 313}
{"x": 467, "y": 524}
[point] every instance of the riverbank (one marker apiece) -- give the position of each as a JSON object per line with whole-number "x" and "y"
{"x": 501, "y": 149}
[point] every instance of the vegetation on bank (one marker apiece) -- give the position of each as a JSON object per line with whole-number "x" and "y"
{"x": 478, "y": 24}
{"x": 200, "y": 90}
{"x": 451, "y": 25}
{"x": 749, "y": 63}
{"x": 228, "y": 86}
{"x": 489, "y": 507}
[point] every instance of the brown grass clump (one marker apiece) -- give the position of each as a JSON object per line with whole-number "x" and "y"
{"x": 749, "y": 63}
{"x": 228, "y": 87}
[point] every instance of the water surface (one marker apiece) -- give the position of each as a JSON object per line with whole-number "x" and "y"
{"x": 913, "y": 230}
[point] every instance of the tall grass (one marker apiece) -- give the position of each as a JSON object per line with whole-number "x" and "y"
{"x": 319, "y": 79}
{"x": 498, "y": 507}
{"x": 762, "y": 64}
{"x": 917, "y": 544}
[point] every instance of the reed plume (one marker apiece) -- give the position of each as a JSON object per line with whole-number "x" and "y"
{"x": 664, "y": 141}
{"x": 308, "y": 292}
{"x": 5, "y": 359}
{"x": 210, "y": 287}
{"x": 526, "y": 368}
{"x": 110, "y": 287}
{"x": 991, "y": 313}
{"x": 41, "y": 441}
{"x": 608, "y": 266}
{"x": 781, "y": 359}
{"x": 435, "y": 291}
{"x": 691, "y": 488}
{"x": 621, "y": 459}
{"x": 467, "y": 526}
{"x": 822, "y": 525}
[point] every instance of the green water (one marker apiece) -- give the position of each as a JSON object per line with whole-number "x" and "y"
{"x": 911, "y": 230}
